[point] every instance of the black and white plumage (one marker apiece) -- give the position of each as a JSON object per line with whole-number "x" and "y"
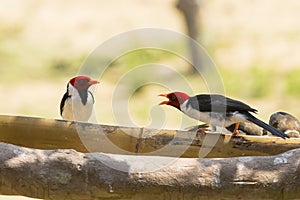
{"x": 77, "y": 103}
{"x": 216, "y": 110}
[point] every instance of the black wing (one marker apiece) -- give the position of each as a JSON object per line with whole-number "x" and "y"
{"x": 63, "y": 100}
{"x": 218, "y": 103}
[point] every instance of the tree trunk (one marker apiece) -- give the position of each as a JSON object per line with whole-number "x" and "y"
{"x": 67, "y": 174}
{"x": 190, "y": 11}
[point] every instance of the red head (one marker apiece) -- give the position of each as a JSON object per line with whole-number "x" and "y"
{"x": 82, "y": 82}
{"x": 175, "y": 99}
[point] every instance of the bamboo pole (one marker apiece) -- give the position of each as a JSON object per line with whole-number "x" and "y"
{"x": 86, "y": 137}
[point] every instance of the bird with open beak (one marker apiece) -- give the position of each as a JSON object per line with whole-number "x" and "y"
{"x": 217, "y": 110}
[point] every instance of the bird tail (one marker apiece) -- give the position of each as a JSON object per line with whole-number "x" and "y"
{"x": 269, "y": 128}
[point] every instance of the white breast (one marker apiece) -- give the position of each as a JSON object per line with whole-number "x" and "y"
{"x": 195, "y": 114}
{"x": 74, "y": 109}
{"x": 213, "y": 118}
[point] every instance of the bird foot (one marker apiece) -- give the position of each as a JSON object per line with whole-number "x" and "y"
{"x": 202, "y": 131}
{"x": 235, "y": 133}
{"x": 236, "y": 129}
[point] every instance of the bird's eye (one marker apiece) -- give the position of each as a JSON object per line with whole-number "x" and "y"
{"x": 173, "y": 97}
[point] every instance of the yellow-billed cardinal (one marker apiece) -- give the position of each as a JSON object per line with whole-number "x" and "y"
{"x": 77, "y": 103}
{"x": 216, "y": 110}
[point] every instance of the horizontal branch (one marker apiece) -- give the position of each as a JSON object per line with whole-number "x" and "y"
{"x": 87, "y": 137}
{"x": 67, "y": 174}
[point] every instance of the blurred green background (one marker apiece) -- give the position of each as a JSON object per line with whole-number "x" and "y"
{"x": 254, "y": 43}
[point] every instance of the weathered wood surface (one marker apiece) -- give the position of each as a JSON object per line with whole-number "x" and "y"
{"x": 67, "y": 174}
{"x": 85, "y": 137}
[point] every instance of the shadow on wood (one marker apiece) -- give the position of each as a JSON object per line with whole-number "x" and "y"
{"x": 86, "y": 137}
{"x": 67, "y": 174}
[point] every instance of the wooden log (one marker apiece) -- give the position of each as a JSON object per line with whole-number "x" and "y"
{"x": 67, "y": 174}
{"x": 86, "y": 137}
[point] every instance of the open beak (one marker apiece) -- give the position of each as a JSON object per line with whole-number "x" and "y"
{"x": 92, "y": 82}
{"x": 164, "y": 102}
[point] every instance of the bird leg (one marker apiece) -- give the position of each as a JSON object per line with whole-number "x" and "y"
{"x": 236, "y": 129}
{"x": 202, "y": 131}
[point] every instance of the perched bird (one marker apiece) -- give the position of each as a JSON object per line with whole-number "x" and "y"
{"x": 216, "y": 110}
{"x": 286, "y": 123}
{"x": 77, "y": 103}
